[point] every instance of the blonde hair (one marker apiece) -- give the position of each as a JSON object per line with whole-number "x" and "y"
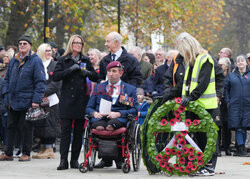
{"x": 189, "y": 47}
{"x": 41, "y": 51}
{"x": 69, "y": 48}
{"x": 97, "y": 52}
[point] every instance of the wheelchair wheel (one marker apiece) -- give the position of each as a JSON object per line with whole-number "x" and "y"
{"x": 136, "y": 148}
{"x": 92, "y": 159}
{"x": 82, "y": 168}
{"x": 126, "y": 168}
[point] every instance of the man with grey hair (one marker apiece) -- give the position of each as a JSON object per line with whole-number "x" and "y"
{"x": 227, "y": 53}
{"x": 132, "y": 74}
{"x": 146, "y": 67}
{"x": 160, "y": 72}
{"x": 160, "y": 55}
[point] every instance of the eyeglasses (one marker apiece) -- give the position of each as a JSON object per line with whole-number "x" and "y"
{"x": 78, "y": 43}
{"x": 24, "y": 43}
{"x": 48, "y": 50}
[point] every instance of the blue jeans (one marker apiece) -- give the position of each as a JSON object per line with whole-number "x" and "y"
{"x": 241, "y": 135}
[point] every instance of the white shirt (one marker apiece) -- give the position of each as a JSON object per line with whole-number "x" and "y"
{"x": 116, "y": 92}
{"x": 118, "y": 54}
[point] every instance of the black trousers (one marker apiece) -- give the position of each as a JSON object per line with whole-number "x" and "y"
{"x": 66, "y": 135}
{"x": 16, "y": 121}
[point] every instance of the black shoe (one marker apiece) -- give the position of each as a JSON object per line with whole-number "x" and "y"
{"x": 74, "y": 164}
{"x": 228, "y": 152}
{"x": 103, "y": 164}
{"x": 119, "y": 164}
{"x": 242, "y": 152}
{"x": 218, "y": 153}
{"x": 63, "y": 165}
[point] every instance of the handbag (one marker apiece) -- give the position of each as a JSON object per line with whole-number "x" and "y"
{"x": 36, "y": 114}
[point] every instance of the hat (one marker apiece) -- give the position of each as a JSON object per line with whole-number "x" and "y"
{"x": 114, "y": 64}
{"x": 248, "y": 55}
{"x": 52, "y": 44}
{"x": 26, "y": 38}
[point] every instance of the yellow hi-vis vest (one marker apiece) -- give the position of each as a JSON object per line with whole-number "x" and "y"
{"x": 208, "y": 99}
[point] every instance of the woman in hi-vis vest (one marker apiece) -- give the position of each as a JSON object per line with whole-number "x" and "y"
{"x": 198, "y": 85}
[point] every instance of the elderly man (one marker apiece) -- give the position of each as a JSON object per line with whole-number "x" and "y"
{"x": 124, "y": 102}
{"x": 160, "y": 72}
{"x": 146, "y": 67}
{"x": 160, "y": 56}
{"x": 132, "y": 74}
{"x": 23, "y": 87}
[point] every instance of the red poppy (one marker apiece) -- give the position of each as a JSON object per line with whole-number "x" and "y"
{"x": 51, "y": 73}
{"x": 190, "y": 164}
{"x": 179, "y": 154}
{"x": 178, "y": 119}
{"x": 196, "y": 122}
{"x": 170, "y": 169}
{"x": 165, "y": 158}
{"x": 172, "y": 151}
{"x": 194, "y": 167}
{"x": 182, "y": 109}
{"x": 184, "y": 133}
{"x": 176, "y": 113}
{"x": 200, "y": 161}
{"x": 162, "y": 164}
{"x": 167, "y": 165}
{"x": 175, "y": 143}
{"x": 158, "y": 157}
{"x": 181, "y": 160}
{"x": 172, "y": 122}
{"x": 181, "y": 169}
{"x": 167, "y": 151}
{"x": 199, "y": 155}
{"x": 188, "y": 122}
{"x": 191, "y": 150}
{"x": 178, "y": 137}
{"x": 176, "y": 166}
{"x": 191, "y": 157}
{"x": 164, "y": 122}
{"x": 185, "y": 150}
{"x": 178, "y": 100}
{"x": 183, "y": 142}
{"x": 188, "y": 169}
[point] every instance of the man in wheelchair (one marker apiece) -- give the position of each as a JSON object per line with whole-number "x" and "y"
{"x": 124, "y": 102}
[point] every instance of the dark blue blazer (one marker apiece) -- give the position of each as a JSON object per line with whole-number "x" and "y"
{"x": 101, "y": 92}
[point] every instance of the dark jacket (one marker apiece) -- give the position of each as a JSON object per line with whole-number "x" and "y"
{"x": 74, "y": 92}
{"x": 146, "y": 69}
{"x": 101, "y": 92}
{"x": 131, "y": 75}
{"x": 50, "y": 127}
{"x": 3, "y": 109}
{"x": 24, "y": 82}
{"x": 170, "y": 91}
{"x": 148, "y": 85}
{"x": 159, "y": 79}
{"x": 237, "y": 95}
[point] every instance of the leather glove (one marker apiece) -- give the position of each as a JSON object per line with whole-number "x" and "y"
{"x": 86, "y": 73}
{"x": 185, "y": 101}
{"x": 74, "y": 68}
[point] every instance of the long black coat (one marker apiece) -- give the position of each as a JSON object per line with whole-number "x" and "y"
{"x": 132, "y": 71}
{"x": 50, "y": 127}
{"x": 74, "y": 93}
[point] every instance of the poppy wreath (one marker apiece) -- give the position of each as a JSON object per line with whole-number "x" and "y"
{"x": 188, "y": 157}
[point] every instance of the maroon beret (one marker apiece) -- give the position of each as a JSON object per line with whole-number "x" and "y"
{"x": 114, "y": 64}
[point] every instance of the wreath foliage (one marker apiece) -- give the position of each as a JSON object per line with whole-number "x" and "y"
{"x": 188, "y": 159}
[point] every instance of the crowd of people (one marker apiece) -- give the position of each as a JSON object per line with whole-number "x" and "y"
{"x": 28, "y": 78}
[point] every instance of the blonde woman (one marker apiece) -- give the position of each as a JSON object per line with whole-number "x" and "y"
{"x": 48, "y": 129}
{"x": 73, "y": 68}
{"x": 95, "y": 57}
{"x": 199, "y": 85}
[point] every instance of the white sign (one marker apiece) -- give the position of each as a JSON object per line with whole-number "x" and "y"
{"x": 179, "y": 126}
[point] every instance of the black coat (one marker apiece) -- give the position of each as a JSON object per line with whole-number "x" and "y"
{"x": 50, "y": 127}
{"x": 74, "y": 92}
{"x": 170, "y": 91}
{"x": 132, "y": 74}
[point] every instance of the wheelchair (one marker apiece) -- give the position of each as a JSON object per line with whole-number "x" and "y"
{"x": 126, "y": 138}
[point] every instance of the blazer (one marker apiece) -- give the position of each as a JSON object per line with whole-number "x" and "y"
{"x": 100, "y": 91}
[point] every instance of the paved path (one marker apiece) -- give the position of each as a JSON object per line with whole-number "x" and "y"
{"x": 43, "y": 169}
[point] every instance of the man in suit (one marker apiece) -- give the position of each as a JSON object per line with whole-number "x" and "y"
{"x": 131, "y": 74}
{"x": 124, "y": 102}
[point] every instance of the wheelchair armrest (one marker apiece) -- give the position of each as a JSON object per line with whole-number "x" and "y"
{"x": 87, "y": 117}
{"x": 131, "y": 117}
